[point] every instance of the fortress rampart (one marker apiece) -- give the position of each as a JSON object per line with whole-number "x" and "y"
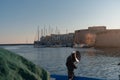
{"x": 108, "y": 38}
{"x": 98, "y": 36}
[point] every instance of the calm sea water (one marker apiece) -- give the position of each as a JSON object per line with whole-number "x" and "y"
{"x": 93, "y": 62}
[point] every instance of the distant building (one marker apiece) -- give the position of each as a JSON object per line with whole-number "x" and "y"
{"x": 58, "y": 39}
{"x": 98, "y": 36}
{"x": 108, "y": 38}
{"x": 87, "y": 36}
{"x": 97, "y": 28}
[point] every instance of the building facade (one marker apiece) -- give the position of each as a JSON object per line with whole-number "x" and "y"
{"x": 58, "y": 40}
{"x": 98, "y": 36}
{"x": 87, "y": 36}
{"x": 108, "y": 38}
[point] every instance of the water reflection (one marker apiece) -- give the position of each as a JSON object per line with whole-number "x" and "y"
{"x": 112, "y": 52}
{"x": 100, "y": 63}
{"x": 91, "y": 52}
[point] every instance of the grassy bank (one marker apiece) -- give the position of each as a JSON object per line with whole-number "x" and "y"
{"x": 15, "y": 67}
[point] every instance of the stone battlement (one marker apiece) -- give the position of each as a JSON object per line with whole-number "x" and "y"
{"x": 98, "y": 36}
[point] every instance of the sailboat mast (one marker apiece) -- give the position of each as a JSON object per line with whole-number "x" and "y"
{"x": 38, "y": 33}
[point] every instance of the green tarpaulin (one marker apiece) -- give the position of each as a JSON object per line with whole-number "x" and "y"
{"x": 15, "y": 67}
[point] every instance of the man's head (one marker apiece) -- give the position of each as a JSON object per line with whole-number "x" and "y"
{"x": 76, "y": 56}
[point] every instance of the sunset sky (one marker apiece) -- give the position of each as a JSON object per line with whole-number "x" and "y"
{"x": 19, "y": 19}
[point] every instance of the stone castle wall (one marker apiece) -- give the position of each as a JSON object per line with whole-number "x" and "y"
{"x": 80, "y": 36}
{"x": 88, "y": 36}
{"x": 98, "y": 36}
{"x": 108, "y": 38}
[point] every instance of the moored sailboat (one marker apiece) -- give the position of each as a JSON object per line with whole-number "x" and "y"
{"x": 37, "y": 43}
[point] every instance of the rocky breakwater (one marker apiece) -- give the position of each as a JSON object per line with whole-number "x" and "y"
{"x": 15, "y": 67}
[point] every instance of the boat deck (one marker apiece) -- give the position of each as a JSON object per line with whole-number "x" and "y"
{"x": 64, "y": 77}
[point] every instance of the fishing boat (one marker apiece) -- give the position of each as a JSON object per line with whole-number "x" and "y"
{"x": 81, "y": 46}
{"x": 38, "y": 44}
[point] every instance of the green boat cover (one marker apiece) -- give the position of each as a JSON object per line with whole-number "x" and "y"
{"x": 15, "y": 67}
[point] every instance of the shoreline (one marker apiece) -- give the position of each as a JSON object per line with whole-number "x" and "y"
{"x": 16, "y": 44}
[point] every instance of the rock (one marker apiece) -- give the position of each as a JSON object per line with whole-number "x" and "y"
{"x": 15, "y": 67}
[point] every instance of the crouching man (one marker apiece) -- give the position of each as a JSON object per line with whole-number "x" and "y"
{"x": 70, "y": 63}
